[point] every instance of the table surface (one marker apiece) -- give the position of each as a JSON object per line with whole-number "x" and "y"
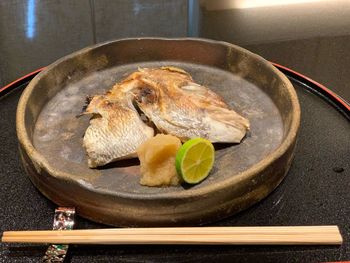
{"x": 313, "y": 193}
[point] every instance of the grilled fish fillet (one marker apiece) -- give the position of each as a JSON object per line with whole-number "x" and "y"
{"x": 170, "y": 100}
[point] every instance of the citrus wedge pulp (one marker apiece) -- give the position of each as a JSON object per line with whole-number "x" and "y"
{"x": 194, "y": 160}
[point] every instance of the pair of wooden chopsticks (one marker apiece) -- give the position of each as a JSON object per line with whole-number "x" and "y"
{"x": 271, "y": 235}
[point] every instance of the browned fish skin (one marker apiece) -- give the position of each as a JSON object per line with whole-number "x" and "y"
{"x": 115, "y": 130}
{"x": 171, "y": 100}
{"x": 179, "y": 106}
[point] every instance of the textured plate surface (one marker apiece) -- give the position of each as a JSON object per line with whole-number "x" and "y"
{"x": 58, "y": 133}
{"x": 51, "y": 136}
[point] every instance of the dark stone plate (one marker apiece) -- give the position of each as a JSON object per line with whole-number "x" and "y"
{"x": 50, "y": 135}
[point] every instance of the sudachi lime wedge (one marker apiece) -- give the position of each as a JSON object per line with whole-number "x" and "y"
{"x": 194, "y": 160}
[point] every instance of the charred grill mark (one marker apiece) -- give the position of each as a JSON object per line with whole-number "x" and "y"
{"x": 88, "y": 99}
{"x": 146, "y": 91}
{"x": 146, "y": 95}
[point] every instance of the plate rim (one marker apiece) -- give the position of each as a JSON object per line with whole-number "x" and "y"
{"x": 40, "y": 161}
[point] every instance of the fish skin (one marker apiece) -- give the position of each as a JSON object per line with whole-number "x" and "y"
{"x": 185, "y": 109}
{"x": 115, "y": 130}
{"x": 171, "y": 100}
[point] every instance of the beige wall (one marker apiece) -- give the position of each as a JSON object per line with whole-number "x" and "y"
{"x": 274, "y": 23}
